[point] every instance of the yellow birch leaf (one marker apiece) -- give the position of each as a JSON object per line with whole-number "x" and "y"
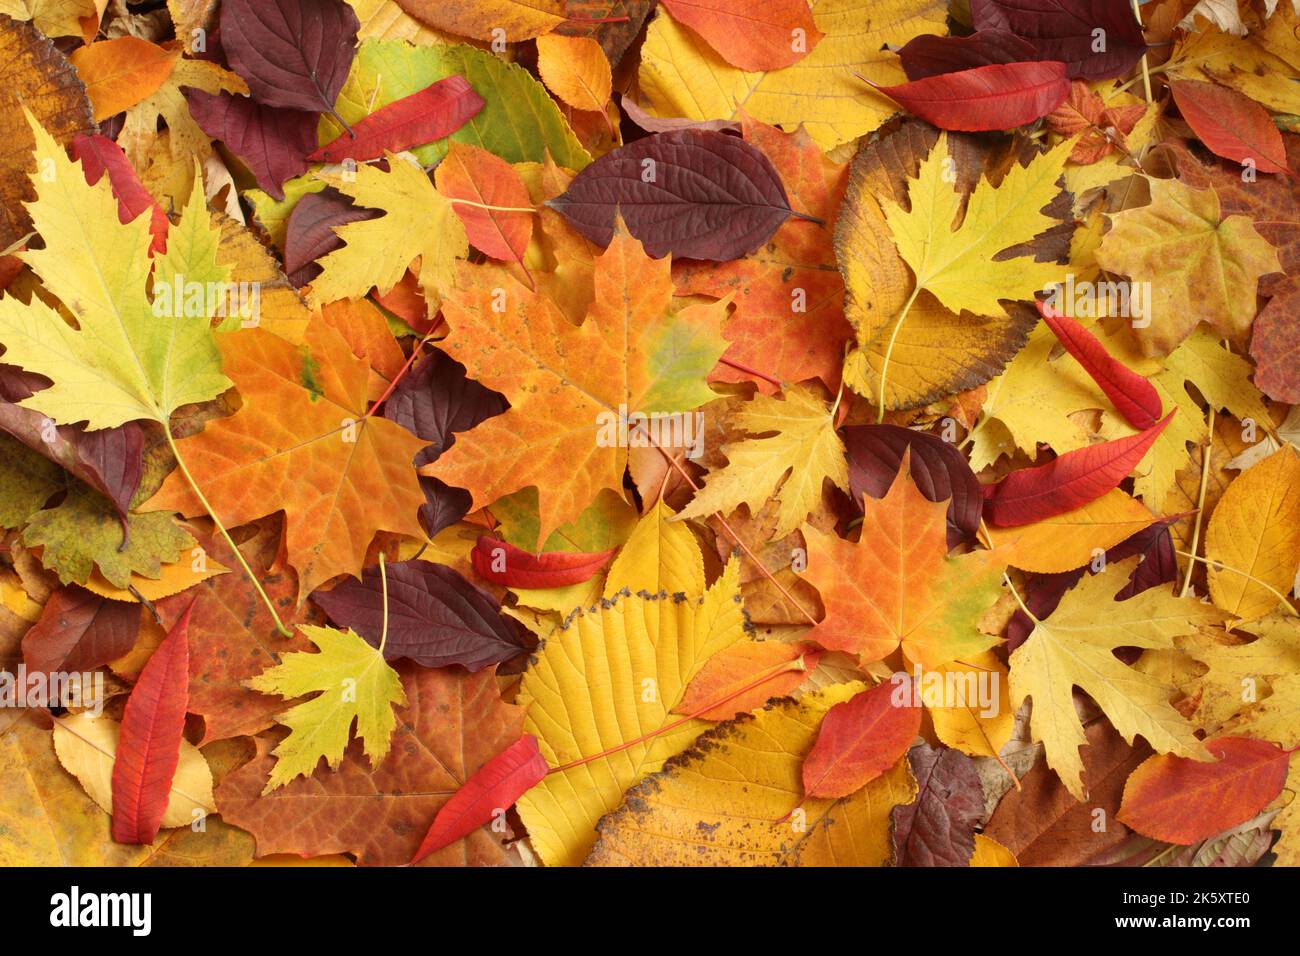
{"x": 736, "y": 799}
{"x": 609, "y": 676}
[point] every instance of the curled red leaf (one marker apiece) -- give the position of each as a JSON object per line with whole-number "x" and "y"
{"x": 429, "y": 114}
{"x": 502, "y": 563}
{"x": 996, "y": 97}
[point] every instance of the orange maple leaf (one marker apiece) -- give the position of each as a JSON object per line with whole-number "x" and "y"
{"x": 897, "y": 584}
{"x": 301, "y": 442}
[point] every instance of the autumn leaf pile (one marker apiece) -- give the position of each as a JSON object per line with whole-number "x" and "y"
{"x": 488, "y": 432}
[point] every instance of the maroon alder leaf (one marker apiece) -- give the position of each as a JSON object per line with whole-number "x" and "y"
{"x": 80, "y": 631}
{"x": 99, "y": 155}
{"x": 309, "y": 233}
{"x": 436, "y": 399}
{"x": 697, "y": 194}
{"x": 1067, "y": 482}
{"x": 938, "y": 828}
{"x": 293, "y": 54}
{"x": 930, "y": 55}
{"x": 429, "y": 114}
{"x": 940, "y": 471}
{"x": 435, "y": 617}
{"x": 108, "y": 460}
{"x": 1096, "y": 39}
{"x": 273, "y": 143}
{"x": 997, "y": 97}
{"x": 1044, "y": 592}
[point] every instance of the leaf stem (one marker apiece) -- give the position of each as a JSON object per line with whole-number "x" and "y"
{"x": 483, "y": 205}
{"x": 383, "y": 590}
{"x": 198, "y": 493}
{"x": 1006, "y": 579}
{"x": 1146, "y": 74}
{"x": 1219, "y": 565}
{"x": 1200, "y": 500}
{"x": 889, "y": 350}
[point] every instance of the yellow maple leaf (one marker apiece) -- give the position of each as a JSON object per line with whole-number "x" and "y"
{"x": 804, "y": 450}
{"x": 355, "y": 683}
{"x": 610, "y": 676}
{"x": 1074, "y": 646}
{"x": 418, "y": 223}
{"x": 729, "y": 801}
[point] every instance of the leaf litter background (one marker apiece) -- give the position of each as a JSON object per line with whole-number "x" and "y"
{"x": 370, "y": 546}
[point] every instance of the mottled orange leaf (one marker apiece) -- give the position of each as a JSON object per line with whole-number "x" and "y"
{"x": 482, "y": 179}
{"x": 745, "y": 662}
{"x": 122, "y": 72}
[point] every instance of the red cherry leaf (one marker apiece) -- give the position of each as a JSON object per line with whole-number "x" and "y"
{"x": 149, "y": 745}
{"x": 1231, "y": 124}
{"x": 502, "y": 563}
{"x": 860, "y": 739}
{"x": 429, "y": 114}
{"x": 1067, "y": 482}
{"x": 1134, "y": 397}
{"x": 997, "y": 97}
{"x": 497, "y": 785}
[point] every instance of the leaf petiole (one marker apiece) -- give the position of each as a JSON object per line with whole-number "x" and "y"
{"x": 194, "y": 486}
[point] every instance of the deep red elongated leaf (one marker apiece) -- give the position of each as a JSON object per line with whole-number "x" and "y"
{"x": 938, "y": 827}
{"x": 1231, "y": 124}
{"x": 435, "y": 617}
{"x": 502, "y": 563}
{"x": 1067, "y": 482}
{"x": 108, "y": 460}
{"x": 99, "y": 155}
{"x": 436, "y": 399}
{"x": 494, "y": 788}
{"x": 1044, "y": 591}
{"x": 272, "y": 142}
{"x": 1064, "y": 30}
{"x": 149, "y": 745}
{"x": 862, "y": 738}
{"x": 436, "y": 111}
{"x": 940, "y": 471}
{"x": 1132, "y": 395}
{"x": 697, "y": 194}
{"x": 1179, "y": 800}
{"x": 310, "y": 234}
{"x": 79, "y": 631}
{"x": 997, "y": 97}
{"x": 930, "y": 55}
{"x": 293, "y": 54}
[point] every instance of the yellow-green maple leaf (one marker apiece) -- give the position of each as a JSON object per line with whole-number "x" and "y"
{"x": 610, "y": 676}
{"x": 418, "y": 223}
{"x": 124, "y": 362}
{"x": 805, "y": 450}
{"x": 354, "y": 682}
{"x": 1074, "y": 648}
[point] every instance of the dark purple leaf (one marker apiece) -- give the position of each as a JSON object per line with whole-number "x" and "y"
{"x": 436, "y": 400}
{"x": 435, "y": 617}
{"x": 80, "y": 631}
{"x": 294, "y": 54}
{"x": 938, "y": 828}
{"x": 309, "y": 233}
{"x": 272, "y": 142}
{"x": 1096, "y": 39}
{"x": 108, "y": 460}
{"x": 940, "y": 471}
{"x": 931, "y": 55}
{"x": 697, "y": 194}
{"x": 1044, "y": 592}
{"x": 443, "y": 505}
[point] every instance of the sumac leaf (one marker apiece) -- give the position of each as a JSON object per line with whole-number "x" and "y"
{"x": 436, "y": 111}
{"x": 1231, "y": 124}
{"x": 502, "y": 563}
{"x": 697, "y": 194}
{"x": 100, "y": 155}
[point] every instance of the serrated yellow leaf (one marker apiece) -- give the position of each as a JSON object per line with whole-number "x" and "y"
{"x": 124, "y": 362}
{"x": 681, "y": 75}
{"x": 354, "y": 682}
{"x": 418, "y": 223}
{"x": 54, "y": 18}
{"x": 609, "y": 676}
{"x": 660, "y": 555}
{"x": 1074, "y": 646}
{"x": 805, "y": 451}
{"x": 736, "y": 799}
